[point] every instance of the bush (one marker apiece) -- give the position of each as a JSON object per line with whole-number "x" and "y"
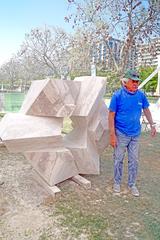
{"x": 112, "y": 80}
{"x": 152, "y": 84}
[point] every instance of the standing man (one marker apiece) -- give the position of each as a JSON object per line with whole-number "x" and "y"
{"x": 125, "y": 112}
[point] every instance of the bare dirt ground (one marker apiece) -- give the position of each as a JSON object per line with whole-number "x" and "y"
{"x": 27, "y": 212}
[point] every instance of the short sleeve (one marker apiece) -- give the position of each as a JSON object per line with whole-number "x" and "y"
{"x": 113, "y": 104}
{"x": 145, "y": 103}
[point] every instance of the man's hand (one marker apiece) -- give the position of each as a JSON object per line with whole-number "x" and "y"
{"x": 148, "y": 115}
{"x": 153, "y": 131}
{"x": 112, "y": 135}
{"x": 113, "y": 140}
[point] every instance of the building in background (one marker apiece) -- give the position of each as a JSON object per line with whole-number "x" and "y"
{"x": 147, "y": 54}
{"x": 105, "y": 51}
{"x": 103, "y": 54}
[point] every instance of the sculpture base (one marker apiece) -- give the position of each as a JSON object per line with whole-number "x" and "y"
{"x": 82, "y": 181}
{"x": 53, "y": 190}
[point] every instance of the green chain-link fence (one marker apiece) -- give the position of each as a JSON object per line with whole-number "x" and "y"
{"x": 11, "y": 102}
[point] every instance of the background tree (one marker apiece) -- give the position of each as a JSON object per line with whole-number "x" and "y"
{"x": 80, "y": 54}
{"x": 131, "y": 21}
{"x": 30, "y": 70}
{"x": 48, "y": 47}
{"x": 9, "y": 73}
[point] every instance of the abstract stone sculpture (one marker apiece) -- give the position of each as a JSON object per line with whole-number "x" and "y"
{"x": 37, "y": 129}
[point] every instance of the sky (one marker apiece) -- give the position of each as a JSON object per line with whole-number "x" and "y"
{"x": 18, "y": 17}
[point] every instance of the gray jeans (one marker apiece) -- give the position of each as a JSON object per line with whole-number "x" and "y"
{"x": 131, "y": 144}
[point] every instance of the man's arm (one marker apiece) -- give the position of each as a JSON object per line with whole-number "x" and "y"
{"x": 148, "y": 115}
{"x": 112, "y": 135}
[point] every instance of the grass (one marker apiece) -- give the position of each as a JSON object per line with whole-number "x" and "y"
{"x": 77, "y": 219}
{"x": 67, "y": 125}
{"x": 153, "y": 226}
{"x": 98, "y": 214}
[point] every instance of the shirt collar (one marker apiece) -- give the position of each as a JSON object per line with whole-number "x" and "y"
{"x": 126, "y": 90}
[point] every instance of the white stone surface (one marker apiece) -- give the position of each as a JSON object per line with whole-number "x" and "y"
{"x": 54, "y": 165}
{"x": 25, "y": 133}
{"x": 51, "y": 97}
{"x": 91, "y": 92}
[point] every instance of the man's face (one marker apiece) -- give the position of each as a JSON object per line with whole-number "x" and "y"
{"x": 132, "y": 85}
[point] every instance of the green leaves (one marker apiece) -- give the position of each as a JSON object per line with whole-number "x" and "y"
{"x": 144, "y": 73}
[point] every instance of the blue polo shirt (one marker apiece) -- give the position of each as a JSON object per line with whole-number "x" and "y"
{"x": 128, "y": 109}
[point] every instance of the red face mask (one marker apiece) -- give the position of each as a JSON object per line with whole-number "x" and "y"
{"x": 132, "y": 85}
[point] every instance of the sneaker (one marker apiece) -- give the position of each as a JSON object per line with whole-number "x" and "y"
{"x": 116, "y": 188}
{"x": 134, "y": 191}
